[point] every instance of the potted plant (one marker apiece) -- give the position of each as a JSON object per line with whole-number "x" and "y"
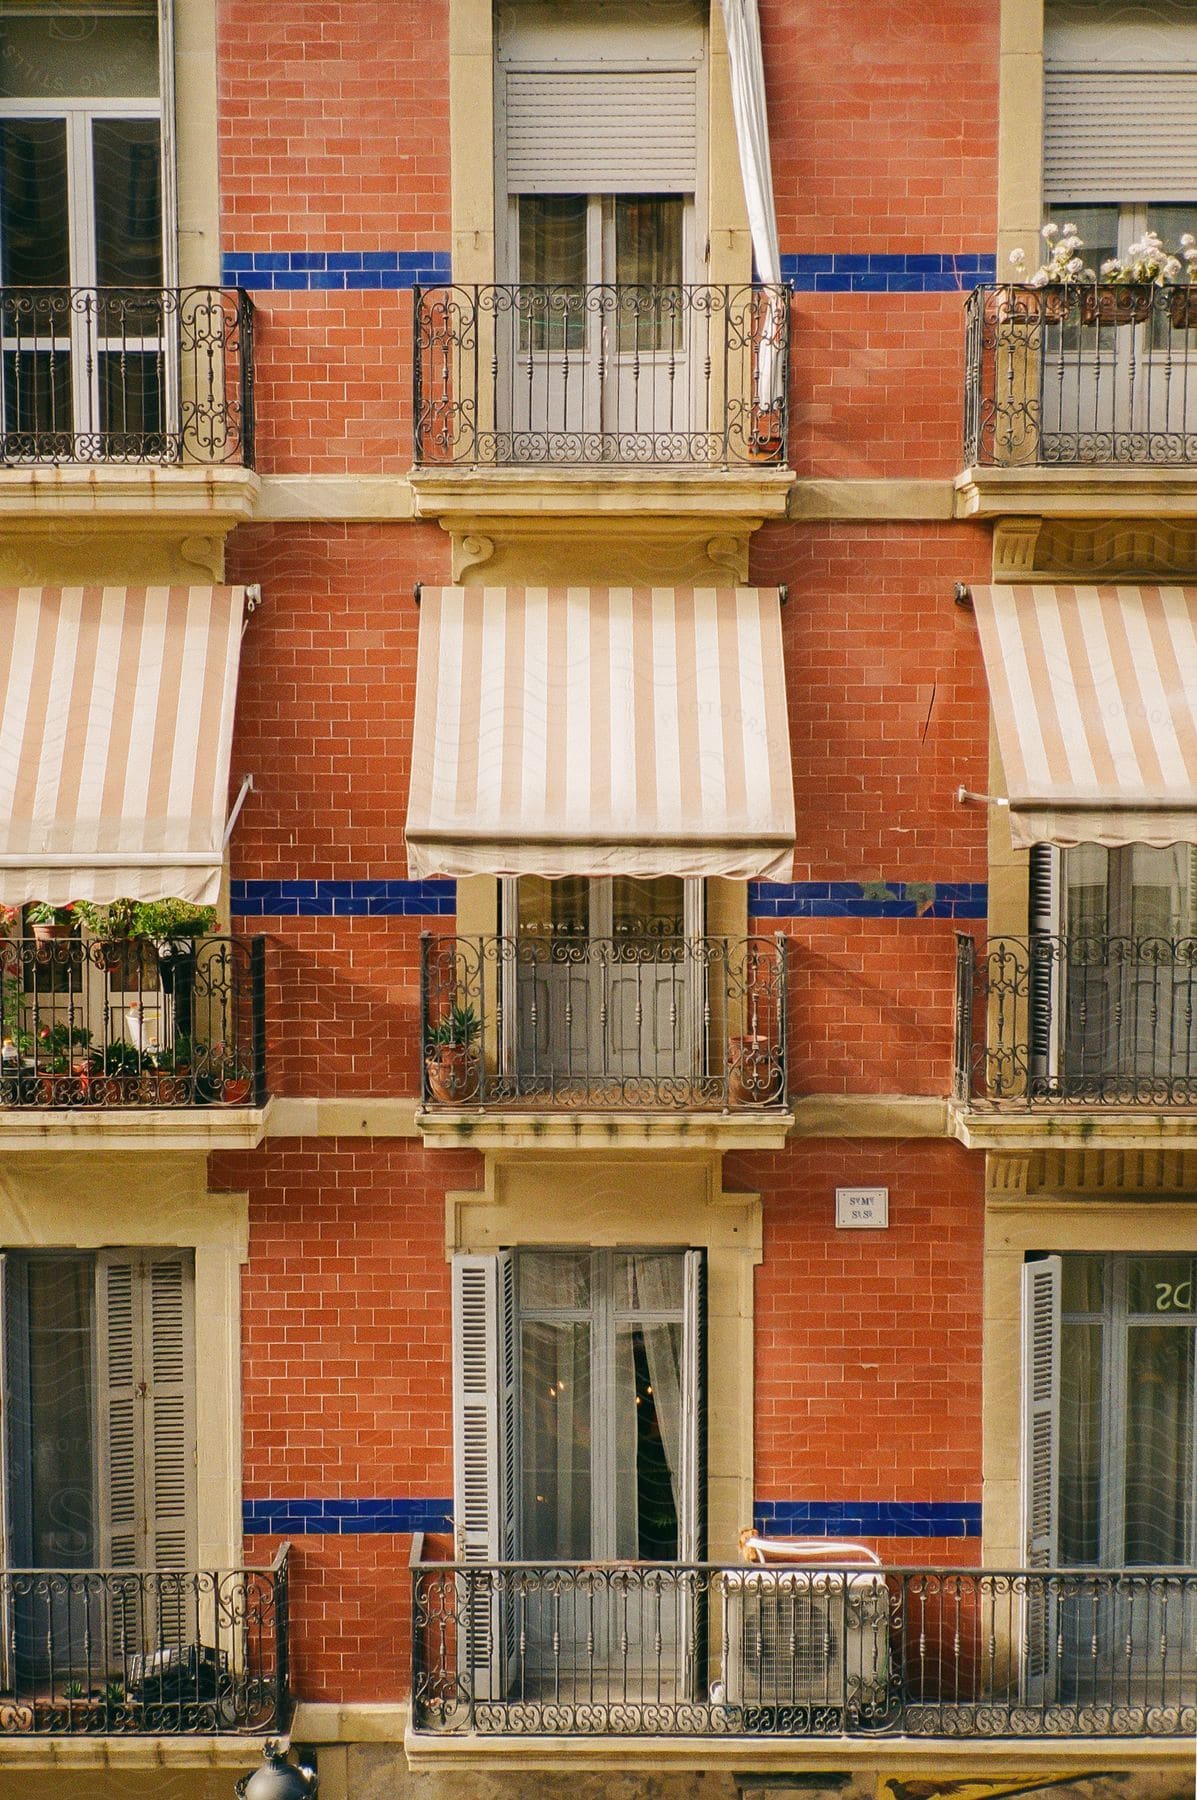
{"x": 450, "y": 1054}
{"x": 1183, "y": 299}
{"x": 65, "y": 1063}
{"x": 122, "y": 1071}
{"x": 172, "y": 1077}
{"x": 50, "y": 922}
{"x": 1047, "y": 294}
{"x": 173, "y": 925}
{"x": 111, "y": 924}
{"x": 228, "y": 1078}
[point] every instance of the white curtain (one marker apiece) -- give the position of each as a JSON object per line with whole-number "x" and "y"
{"x": 742, "y": 26}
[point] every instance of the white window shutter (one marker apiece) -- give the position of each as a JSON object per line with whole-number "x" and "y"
{"x": 601, "y": 131}
{"x": 1116, "y": 135}
{"x": 692, "y": 1510}
{"x": 1041, "y": 1410}
{"x": 169, "y": 1350}
{"x": 483, "y": 1406}
{"x": 166, "y": 91}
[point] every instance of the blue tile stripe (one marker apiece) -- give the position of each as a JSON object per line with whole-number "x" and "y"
{"x": 338, "y": 270}
{"x": 867, "y": 899}
{"x": 868, "y": 1518}
{"x": 343, "y": 1518}
{"x": 790, "y": 1518}
{"x": 341, "y": 899}
{"x": 870, "y": 272}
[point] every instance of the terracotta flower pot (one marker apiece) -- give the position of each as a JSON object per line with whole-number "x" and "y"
{"x": 451, "y": 1073}
{"x": 753, "y": 1071}
{"x": 49, "y": 934}
{"x": 1182, "y": 306}
{"x": 236, "y": 1090}
{"x": 1129, "y": 305}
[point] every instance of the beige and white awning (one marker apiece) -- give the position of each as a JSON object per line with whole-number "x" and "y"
{"x": 599, "y": 731}
{"x": 1094, "y": 696}
{"x": 116, "y": 726}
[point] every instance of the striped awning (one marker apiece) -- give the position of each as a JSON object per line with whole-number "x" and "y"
{"x": 116, "y": 725}
{"x": 1094, "y": 697}
{"x": 600, "y": 731}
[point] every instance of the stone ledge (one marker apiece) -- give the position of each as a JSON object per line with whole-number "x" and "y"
{"x": 93, "y": 493}
{"x": 578, "y": 1130}
{"x": 238, "y": 1754}
{"x": 815, "y": 500}
{"x": 1136, "y": 1129}
{"x": 362, "y": 1722}
{"x": 1098, "y": 492}
{"x": 76, "y": 1128}
{"x": 475, "y": 494}
{"x": 947, "y": 1758}
{"x": 342, "y": 1118}
{"x": 870, "y": 1116}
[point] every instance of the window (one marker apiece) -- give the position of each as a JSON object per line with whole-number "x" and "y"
{"x": 82, "y": 186}
{"x": 1113, "y": 985}
{"x": 99, "y": 1381}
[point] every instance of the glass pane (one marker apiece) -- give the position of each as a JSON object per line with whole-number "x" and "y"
{"x": 1086, "y": 875}
{"x": 555, "y": 1439}
{"x": 552, "y": 1278}
{"x": 33, "y": 204}
{"x": 37, "y": 399}
{"x": 1159, "y": 1444}
{"x": 78, "y": 51}
{"x": 647, "y": 907}
{"x": 1160, "y": 1285}
{"x": 1080, "y": 1443}
{"x": 649, "y": 1281}
{"x": 552, "y": 251}
{"x": 1160, "y": 893}
{"x": 561, "y": 908}
{"x": 1083, "y": 1281}
{"x": 128, "y": 201}
{"x": 62, "y": 1485}
{"x": 648, "y": 260}
{"x": 648, "y": 1404}
{"x": 131, "y": 397}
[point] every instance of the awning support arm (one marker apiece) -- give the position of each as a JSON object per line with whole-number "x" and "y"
{"x": 238, "y": 803}
{"x": 966, "y": 797}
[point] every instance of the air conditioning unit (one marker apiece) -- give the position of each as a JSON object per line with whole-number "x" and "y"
{"x": 805, "y": 1637}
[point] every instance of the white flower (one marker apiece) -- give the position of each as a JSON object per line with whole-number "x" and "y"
{"x": 1019, "y": 258}
{"x": 1111, "y": 267}
{"x": 1070, "y": 230}
{"x": 1074, "y": 266}
{"x": 1187, "y": 240}
{"x": 1050, "y": 231}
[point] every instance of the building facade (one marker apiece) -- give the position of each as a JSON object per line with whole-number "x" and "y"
{"x": 660, "y": 685}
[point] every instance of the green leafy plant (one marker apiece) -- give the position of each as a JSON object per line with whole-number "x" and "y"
{"x": 59, "y": 1045}
{"x": 74, "y": 1690}
{"x": 114, "y": 1693}
{"x": 172, "y": 919}
{"x": 111, "y": 920}
{"x": 459, "y": 1026}
{"x": 42, "y": 913}
{"x": 120, "y": 1058}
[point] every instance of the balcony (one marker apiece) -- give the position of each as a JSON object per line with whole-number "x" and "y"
{"x": 1063, "y": 1027}
{"x": 601, "y": 377}
{"x": 163, "y": 1653}
{"x": 1080, "y": 404}
{"x": 558, "y": 1024}
{"x": 126, "y": 375}
{"x": 697, "y": 1651}
{"x": 94, "y": 1032}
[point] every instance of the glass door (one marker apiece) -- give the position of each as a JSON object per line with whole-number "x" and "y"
{"x": 607, "y": 985}
{"x": 1129, "y": 989}
{"x": 609, "y": 1401}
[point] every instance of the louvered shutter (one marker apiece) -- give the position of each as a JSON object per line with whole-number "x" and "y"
{"x": 692, "y": 1485}
{"x": 484, "y": 1432}
{"x": 145, "y": 1330}
{"x": 1119, "y": 134}
{"x": 1040, "y": 1464}
{"x": 1043, "y": 988}
{"x": 601, "y": 131}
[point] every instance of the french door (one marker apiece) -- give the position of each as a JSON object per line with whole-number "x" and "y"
{"x": 604, "y": 986}
{"x": 608, "y": 1389}
{"x": 594, "y": 350}
{"x": 86, "y": 339}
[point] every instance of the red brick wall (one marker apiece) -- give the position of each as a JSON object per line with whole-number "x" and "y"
{"x": 883, "y": 123}
{"x": 868, "y": 1343}
{"x": 346, "y": 1378}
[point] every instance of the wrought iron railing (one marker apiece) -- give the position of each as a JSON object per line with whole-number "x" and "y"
{"x": 527, "y": 373}
{"x": 695, "y": 1650}
{"x": 116, "y": 1022}
{"x": 641, "y": 1021}
{"x": 126, "y": 375}
{"x": 1081, "y": 374}
{"x": 1076, "y": 1021}
{"x": 163, "y": 1652}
